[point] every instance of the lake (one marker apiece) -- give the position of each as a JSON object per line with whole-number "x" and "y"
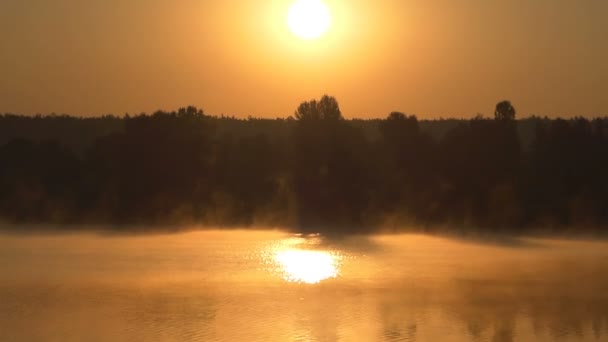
{"x": 276, "y": 286}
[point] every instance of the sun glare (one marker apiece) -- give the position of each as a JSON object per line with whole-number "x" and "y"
{"x": 309, "y": 267}
{"x": 309, "y": 19}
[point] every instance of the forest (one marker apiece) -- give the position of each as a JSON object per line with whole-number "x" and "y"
{"x": 314, "y": 171}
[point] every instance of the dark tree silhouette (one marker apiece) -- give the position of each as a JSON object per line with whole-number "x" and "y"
{"x": 504, "y": 111}
{"x": 328, "y": 171}
{"x": 405, "y": 166}
{"x": 317, "y": 172}
{"x": 325, "y": 109}
{"x": 398, "y": 125}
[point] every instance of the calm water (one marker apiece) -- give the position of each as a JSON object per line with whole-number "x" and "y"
{"x": 272, "y": 286}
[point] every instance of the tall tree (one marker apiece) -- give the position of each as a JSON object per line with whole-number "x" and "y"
{"x": 326, "y": 108}
{"x": 505, "y": 111}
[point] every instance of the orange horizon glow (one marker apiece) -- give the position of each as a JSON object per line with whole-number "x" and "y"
{"x": 433, "y": 58}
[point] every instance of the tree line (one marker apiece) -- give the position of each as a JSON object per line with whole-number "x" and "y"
{"x": 314, "y": 171}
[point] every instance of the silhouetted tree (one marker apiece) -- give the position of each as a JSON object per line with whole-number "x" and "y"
{"x": 398, "y": 126}
{"x": 405, "y": 166}
{"x": 326, "y": 108}
{"x": 327, "y": 167}
{"x": 315, "y": 170}
{"x": 505, "y": 111}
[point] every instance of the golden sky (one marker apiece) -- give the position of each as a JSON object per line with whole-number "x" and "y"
{"x": 238, "y": 57}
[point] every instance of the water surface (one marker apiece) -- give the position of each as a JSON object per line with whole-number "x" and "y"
{"x": 274, "y": 286}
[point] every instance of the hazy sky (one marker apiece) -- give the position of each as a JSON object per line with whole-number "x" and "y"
{"x": 426, "y": 57}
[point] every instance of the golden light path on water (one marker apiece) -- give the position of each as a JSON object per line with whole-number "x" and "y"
{"x": 298, "y": 265}
{"x": 309, "y": 267}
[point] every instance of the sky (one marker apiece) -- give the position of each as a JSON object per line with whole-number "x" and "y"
{"x": 432, "y": 58}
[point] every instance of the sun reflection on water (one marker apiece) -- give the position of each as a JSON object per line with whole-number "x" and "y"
{"x": 309, "y": 267}
{"x": 297, "y": 261}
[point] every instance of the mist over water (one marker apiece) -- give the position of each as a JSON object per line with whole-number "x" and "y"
{"x": 275, "y": 286}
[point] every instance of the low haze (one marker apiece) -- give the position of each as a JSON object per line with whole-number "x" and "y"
{"x": 239, "y": 286}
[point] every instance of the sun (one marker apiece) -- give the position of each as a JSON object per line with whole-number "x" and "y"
{"x": 309, "y": 19}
